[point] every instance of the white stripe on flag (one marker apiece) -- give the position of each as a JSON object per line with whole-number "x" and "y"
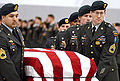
{"x": 29, "y": 70}
{"x": 85, "y": 65}
{"x": 37, "y": 79}
{"x": 66, "y": 63}
{"x": 45, "y": 61}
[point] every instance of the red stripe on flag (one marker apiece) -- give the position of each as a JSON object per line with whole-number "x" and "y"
{"x": 76, "y": 65}
{"x": 58, "y": 71}
{"x": 92, "y": 70}
{"x": 35, "y": 63}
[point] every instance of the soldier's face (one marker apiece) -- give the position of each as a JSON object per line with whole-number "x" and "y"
{"x": 98, "y": 16}
{"x": 86, "y": 18}
{"x": 11, "y": 20}
{"x": 64, "y": 27}
{"x": 75, "y": 22}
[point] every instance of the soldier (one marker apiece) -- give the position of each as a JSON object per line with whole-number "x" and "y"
{"x": 98, "y": 40}
{"x": 84, "y": 14}
{"x": 117, "y": 27}
{"x": 73, "y": 19}
{"x": 72, "y": 32}
{"x": 60, "y": 39}
{"x": 11, "y": 45}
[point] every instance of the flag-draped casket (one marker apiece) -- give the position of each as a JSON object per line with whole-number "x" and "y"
{"x": 54, "y": 65}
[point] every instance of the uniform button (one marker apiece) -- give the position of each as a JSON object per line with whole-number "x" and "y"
{"x": 82, "y": 43}
{"x": 92, "y": 58}
{"x": 13, "y": 49}
{"x": 8, "y": 34}
{"x": 112, "y": 69}
{"x": 100, "y": 45}
{"x": 61, "y": 48}
{"x": 22, "y": 54}
{"x": 4, "y": 78}
{"x": 22, "y": 48}
{"x": 22, "y": 62}
{"x": 72, "y": 43}
{"x": 91, "y": 46}
{"x": 21, "y": 68}
{"x": 91, "y": 52}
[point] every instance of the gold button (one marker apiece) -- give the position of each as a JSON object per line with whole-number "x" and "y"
{"x": 8, "y": 34}
{"x": 112, "y": 69}
{"x": 22, "y": 54}
{"x": 100, "y": 45}
{"x": 92, "y": 58}
{"x": 3, "y": 78}
{"x": 91, "y": 46}
{"x": 72, "y": 43}
{"x": 13, "y": 49}
{"x": 82, "y": 43}
{"x": 91, "y": 52}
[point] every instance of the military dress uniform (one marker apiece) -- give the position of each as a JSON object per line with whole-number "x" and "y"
{"x": 11, "y": 55}
{"x": 101, "y": 48}
{"x": 51, "y": 43}
{"x": 71, "y": 38}
{"x": 60, "y": 40}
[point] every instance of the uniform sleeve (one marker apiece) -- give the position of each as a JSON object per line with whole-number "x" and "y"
{"x": 107, "y": 60}
{"x": 7, "y": 68}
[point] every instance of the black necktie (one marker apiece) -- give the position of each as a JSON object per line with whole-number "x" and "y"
{"x": 14, "y": 32}
{"x": 93, "y": 30}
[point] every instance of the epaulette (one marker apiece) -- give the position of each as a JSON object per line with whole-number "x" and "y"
{"x": 108, "y": 24}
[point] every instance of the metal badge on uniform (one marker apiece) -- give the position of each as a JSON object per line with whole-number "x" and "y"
{"x": 112, "y": 48}
{"x": 97, "y": 42}
{"x": 88, "y": 27}
{"x": 77, "y": 28}
{"x": 53, "y": 46}
{"x": 2, "y": 54}
{"x": 64, "y": 43}
{"x": 102, "y": 71}
{"x": 11, "y": 41}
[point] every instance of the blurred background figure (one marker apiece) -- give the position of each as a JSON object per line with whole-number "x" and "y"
{"x": 60, "y": 38}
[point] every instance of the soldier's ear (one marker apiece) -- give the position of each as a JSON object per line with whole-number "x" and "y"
{"x": 2, "y": 17}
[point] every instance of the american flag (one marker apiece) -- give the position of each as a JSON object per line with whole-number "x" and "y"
{"x": 54, "y": 65}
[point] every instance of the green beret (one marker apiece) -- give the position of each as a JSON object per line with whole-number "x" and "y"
{"x": 98, "y": 5}
{"x": 8, "y": 8}
{"x": 84, "y": 10}
{"x": 63, "y": 21}
{"x": 73, "y": 16}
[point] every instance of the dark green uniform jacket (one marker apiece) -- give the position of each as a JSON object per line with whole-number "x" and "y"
{"x": 101, "y": 48}
{"x": 71, "y": 38}
{"x": 11, "y": 55}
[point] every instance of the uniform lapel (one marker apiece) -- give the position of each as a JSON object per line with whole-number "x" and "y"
{"x": 20, "y": 36}
{"x": 99, "y": 32}
{"x": 10, "y": 35}
{"x": 89, "y": 31}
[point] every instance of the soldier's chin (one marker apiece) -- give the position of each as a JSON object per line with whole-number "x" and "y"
{"x": 13, "y": 26}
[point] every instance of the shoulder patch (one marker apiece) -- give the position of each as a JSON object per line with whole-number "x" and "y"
{"x": 2, "y": 54}
{"x": 112, "y": 48}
